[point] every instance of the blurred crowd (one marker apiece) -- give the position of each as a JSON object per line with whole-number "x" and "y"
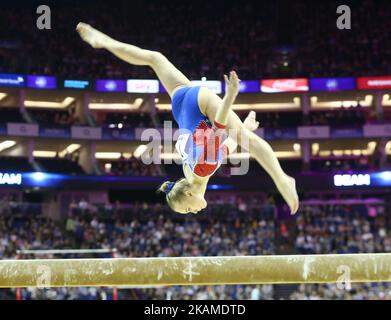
{"x": 124, "y": 120}
{"x": 68, "y": 164}
{"x": 342, "y": 229}
{"x": 337, "y": 165}
{"x": 132, "y": 167}
{"x": 342, "y": 117}
{"x": 267, "y": 39}
{"x": 326, "y": 50}
{"x": 366, "y": 291}
{"x": 339, "y": 229}
{"x": 59, "y": 118}
{"x": 145, "y": 230}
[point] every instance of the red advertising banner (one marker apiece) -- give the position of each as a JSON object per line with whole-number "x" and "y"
{"x": 365, "y": 83}
{"x": 284, "y": 85}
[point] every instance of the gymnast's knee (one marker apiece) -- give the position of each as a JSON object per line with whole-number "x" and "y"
{"x": 243, "y": 136}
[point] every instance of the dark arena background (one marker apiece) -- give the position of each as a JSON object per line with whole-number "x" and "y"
{"x": 73, "y": 183}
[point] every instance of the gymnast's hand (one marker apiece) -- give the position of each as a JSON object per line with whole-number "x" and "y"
{"x": 250, "y": 122}
{"x": 92, "y": 36}
{"x": 232, "y": 85}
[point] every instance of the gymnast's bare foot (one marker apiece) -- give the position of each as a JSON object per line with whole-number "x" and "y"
{"x": 92, "y": 36}
{"x": 287, "y": 188}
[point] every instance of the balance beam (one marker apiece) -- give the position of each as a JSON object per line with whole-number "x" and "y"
{"x": 330, "y": 268}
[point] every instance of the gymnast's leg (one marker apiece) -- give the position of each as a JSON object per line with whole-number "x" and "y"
{"x": 167, "y": 73}
{"x": 255, "y": 145}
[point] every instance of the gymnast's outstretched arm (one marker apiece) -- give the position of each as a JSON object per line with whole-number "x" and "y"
{"x": 231, "y": 91}
{"x": 170, "y": 76}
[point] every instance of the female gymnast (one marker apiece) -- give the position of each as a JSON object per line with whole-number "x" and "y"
{"x": 203, "y": 116}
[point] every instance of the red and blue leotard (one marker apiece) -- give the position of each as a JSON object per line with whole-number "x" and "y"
{"x": 200, "y": 144}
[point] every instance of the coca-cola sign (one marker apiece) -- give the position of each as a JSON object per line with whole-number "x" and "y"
{"x": 284, "y": 85}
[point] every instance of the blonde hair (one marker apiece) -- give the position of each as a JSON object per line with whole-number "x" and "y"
{"x": 177, "y": 192}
